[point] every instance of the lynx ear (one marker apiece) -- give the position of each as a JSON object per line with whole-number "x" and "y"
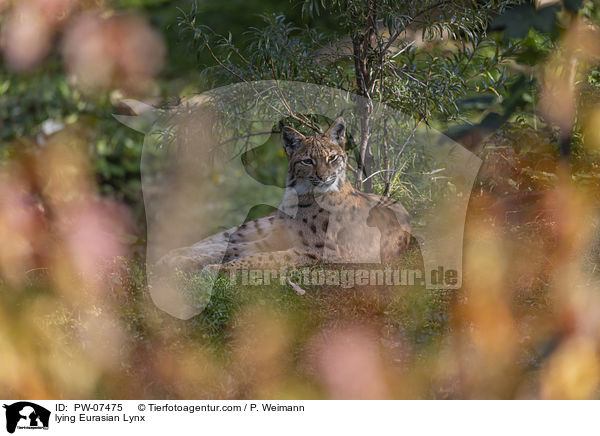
{"x": 337, "y": 132}
{"x": 291, "y": 139}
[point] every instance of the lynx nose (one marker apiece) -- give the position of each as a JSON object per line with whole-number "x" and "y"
{"x": 324, "y": 180}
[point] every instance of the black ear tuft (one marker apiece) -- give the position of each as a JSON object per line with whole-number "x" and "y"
{"x": 337, "y": 131}
{"x": 291, "y": 139}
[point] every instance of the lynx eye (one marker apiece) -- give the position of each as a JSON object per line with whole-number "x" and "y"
{"x": 333, "y": 158}
{"x": 307, "y": 162}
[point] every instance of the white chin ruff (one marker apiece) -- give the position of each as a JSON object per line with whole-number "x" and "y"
{"x": 328, "y": 188}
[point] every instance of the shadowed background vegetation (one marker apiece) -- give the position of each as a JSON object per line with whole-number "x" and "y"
{"x": 517, "y": 83}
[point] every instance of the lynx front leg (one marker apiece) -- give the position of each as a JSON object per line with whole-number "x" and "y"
{"x": 274, "y": 259}
{"x": 193, "y": 258}
{"x": 264, "y": 234}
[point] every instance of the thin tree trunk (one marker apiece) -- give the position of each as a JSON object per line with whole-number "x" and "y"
{"x": 362, "y": 47}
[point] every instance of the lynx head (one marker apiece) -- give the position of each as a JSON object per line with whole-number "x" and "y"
{"x": 317, "y": 163}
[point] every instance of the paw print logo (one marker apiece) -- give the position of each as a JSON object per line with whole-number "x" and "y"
{"x": 26, "y": 415}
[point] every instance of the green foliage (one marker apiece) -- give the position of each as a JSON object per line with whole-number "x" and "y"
{"x": 422, "y": 80}
{"x": 418, "y": 58}
{"x": 28, "y": 101}
{"x": 278, "y": 49}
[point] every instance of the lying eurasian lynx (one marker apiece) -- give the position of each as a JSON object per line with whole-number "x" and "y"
{"x": 322, "y": 217}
